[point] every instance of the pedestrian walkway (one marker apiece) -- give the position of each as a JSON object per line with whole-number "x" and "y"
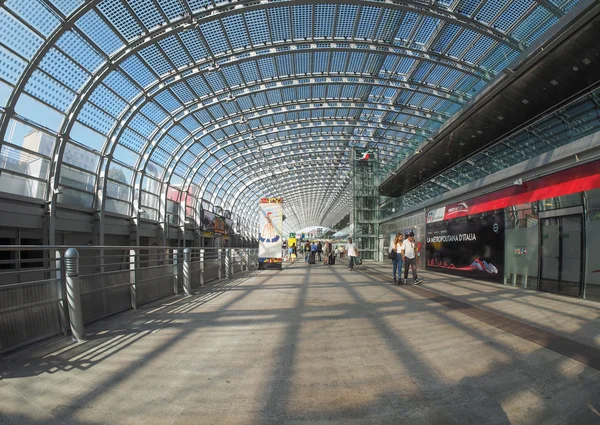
{"x": 315, "y": 344}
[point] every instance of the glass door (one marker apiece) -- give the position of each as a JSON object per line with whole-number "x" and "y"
{"x": 561, "y": 255}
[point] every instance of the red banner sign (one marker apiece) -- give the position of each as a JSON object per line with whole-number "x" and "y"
{"x": 573, "y": 180}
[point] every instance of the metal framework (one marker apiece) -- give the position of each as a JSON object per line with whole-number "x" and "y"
{"x": 571, "y": 122}
{"x": 149, "y": 108}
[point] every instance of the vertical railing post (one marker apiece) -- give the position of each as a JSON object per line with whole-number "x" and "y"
{"x": 220, "y": 261}
{"x": 227, "y": 262}
{"x": 63, "y": 304}
{"x": 175, "y": 261}
{"x": 202, "y": 267}
{"x": 187, "y": 271}
{"x": 74, "y": 293}
{"x": 132, "y": 277}
{"x": 232, "y": 261}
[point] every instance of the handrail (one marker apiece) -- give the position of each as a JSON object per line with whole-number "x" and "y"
{"x": 68, "y": 290}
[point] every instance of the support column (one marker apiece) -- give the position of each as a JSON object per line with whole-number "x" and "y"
{"x": 74, "y": 294}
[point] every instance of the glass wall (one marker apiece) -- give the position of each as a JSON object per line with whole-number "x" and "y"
{"x": 521, "y": 245}
{"x": 592, "y": 245}
{"x": 570, "y": 123}
{"x": 414, "y": 223}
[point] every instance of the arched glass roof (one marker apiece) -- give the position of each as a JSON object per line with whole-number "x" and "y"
{"x": 156, "y": 108}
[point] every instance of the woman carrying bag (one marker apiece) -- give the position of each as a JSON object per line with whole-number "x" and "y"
{"x": 396, "y": 257}
{"x": 326, "y": 252}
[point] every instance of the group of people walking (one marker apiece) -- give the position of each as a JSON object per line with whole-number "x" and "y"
{"x": 403, "y": 251}
{"x": 316, "y": 251}
{"x": 322, "y": 252}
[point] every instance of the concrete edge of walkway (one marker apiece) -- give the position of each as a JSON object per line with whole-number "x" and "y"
{"x": 585, "y": 354}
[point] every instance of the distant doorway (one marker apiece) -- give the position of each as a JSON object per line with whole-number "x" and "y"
{"x": 561, "y": 259}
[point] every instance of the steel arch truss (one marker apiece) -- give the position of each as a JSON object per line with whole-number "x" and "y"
{"x": 160, "y": 103}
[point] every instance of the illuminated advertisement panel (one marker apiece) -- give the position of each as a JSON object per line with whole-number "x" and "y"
{"x": 471, "y": 246}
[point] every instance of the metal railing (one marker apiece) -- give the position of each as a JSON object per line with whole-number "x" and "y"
{"x": 47, "y": 290}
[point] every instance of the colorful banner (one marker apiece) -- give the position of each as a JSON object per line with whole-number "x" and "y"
{"x": 270, "y": 228}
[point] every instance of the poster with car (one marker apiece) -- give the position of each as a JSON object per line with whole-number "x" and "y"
{"x": 470, "y": 246}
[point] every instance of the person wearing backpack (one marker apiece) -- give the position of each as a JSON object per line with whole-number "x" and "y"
{"x": 319, "y": 251}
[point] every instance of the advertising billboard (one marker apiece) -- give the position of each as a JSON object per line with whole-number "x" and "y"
{"x": 470, "y": 246}
{"x": 219, "y": 225}
{"x": 208, "y": 221}
{"x": 229, "y": 226}
{"x": 270, "y": 230}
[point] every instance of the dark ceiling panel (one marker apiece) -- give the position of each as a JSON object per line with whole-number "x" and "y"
{"x": 567, "y": 69}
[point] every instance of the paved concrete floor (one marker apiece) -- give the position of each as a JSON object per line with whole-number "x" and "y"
{"x": 306, "y": 345}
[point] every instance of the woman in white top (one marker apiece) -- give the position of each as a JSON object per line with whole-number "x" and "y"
{"x": 397, "y": 260}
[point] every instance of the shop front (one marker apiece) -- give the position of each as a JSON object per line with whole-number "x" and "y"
{"x": 541, "y": 234}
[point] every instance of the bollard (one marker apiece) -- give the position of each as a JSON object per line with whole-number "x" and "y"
{"x": 202, "y": 268}
{"x": 227, "y": 263}
{"x": 187, "y": 271}
{"x": 74, "y": 294}
{"x": 220, "y": 262}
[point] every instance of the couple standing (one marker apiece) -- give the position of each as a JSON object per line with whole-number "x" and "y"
{"x": 405, "y": 253}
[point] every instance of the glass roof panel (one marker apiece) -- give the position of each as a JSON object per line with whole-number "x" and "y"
{"x": 152, "y": 87}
